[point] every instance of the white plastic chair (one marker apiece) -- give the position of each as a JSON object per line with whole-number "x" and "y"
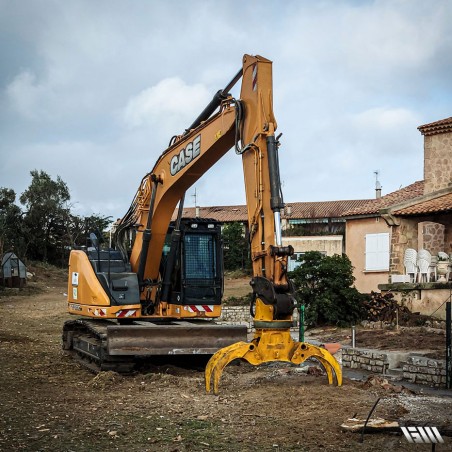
{"x": 410, "y": 262}
{"x": 424, "y": 260}
{"x": 423, "y": 265}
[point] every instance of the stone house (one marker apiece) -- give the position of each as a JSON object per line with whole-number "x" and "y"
{"x": 418, "y": 216}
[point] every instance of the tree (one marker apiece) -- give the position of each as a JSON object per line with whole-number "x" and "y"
{"x": 79, "y": 228}
{"x": 236, "y": 247}
{"x": 11, "y": 223}
{"x": 46, "y": 216}
{"x": 324, "y": 285}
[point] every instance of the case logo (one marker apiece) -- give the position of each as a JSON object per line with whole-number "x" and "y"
{"x": 185, "y": 156}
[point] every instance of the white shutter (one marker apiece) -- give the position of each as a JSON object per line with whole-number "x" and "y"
{"x": 377, "y": 251}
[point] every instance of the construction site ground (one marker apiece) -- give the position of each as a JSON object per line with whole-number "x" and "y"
{"x": 49, "y": 402}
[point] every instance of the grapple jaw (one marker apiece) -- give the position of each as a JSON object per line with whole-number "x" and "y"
{"x": 270, "y": 345}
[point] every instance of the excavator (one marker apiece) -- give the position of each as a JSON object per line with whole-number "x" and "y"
{"x": 159, "y": 291}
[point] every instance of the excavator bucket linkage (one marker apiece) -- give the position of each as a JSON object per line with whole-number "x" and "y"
{"x": 270, "y": 344}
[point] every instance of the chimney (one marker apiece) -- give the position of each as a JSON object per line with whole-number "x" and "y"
{"x": 437, "y": 155}
{"x": 377, "y": 190}
{"x": 197, "y": 211}
{"x": 378, "y": 186}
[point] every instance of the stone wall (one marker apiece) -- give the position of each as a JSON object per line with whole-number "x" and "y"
{"x": 240, "y": 315}
{"x": 419, "y": 369}
{"x": 414, "y": 369}
{"x": 437, "y": 162}
{"x": 402, "y": 237}
{"x": 431, "y": 236}
{"x": 369, "y": 360}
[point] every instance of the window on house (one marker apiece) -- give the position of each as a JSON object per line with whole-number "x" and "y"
{"x": 295, "y": 260}
{"x": 377, "y": 251}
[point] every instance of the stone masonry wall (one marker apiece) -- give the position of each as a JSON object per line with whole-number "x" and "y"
{"x": 240, "y": 315}
{"x": 437, "y": 162}
{"x": 369, "y": 360}
{"x": 416, "y": 369}
{"x": 419, "y": 369}
{"x": 431, "y": 236}
{"x": 402, "y": 237}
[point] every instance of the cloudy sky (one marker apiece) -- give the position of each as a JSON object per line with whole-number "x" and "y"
{"x": 92, "y": 91}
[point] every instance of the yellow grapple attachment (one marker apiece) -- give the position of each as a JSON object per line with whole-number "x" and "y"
{"x": 270, "y": 343}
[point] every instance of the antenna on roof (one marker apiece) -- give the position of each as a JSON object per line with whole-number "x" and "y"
{"x": 378, "y": 186}
{"x": 195, "y": 197}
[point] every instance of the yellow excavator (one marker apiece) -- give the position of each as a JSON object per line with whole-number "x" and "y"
{"x": 159, "y": 291}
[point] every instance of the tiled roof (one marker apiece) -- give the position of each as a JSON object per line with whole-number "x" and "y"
{"x": 322, "y": 209}
{"x": 219, "y": 213}
{"x": 434, "y": 128}
{"x": 436, "y": 205}
{"x": 404, "y": 194}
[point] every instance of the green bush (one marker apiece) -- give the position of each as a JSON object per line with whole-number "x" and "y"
{"x": 324, "y": 284}
{"x": 236, "y": 247}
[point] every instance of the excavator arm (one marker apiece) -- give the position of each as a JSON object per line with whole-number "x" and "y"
{"x": 248, "y": 125}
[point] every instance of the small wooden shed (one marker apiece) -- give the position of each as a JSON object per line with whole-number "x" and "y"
{"x": 13, "y": 272}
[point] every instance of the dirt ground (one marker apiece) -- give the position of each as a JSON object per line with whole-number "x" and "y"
{"x": 49, "y": 402}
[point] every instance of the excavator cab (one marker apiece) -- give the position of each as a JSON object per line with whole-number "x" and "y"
{"x": 192, "y": 260}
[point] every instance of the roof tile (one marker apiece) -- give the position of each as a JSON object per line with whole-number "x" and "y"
{"x": 321, "y": 209}
{"x": 437, "y": 127}
{"x": 436, "y": 205}
{"x": 404, "y": 194}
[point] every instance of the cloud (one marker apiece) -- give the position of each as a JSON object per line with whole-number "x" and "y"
{"x": 93, "y": 91}
{"x": 26, "y": 95}
{"x": 170, "y": 98}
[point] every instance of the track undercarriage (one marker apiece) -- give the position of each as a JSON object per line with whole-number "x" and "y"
{"x": 102, "y": 345}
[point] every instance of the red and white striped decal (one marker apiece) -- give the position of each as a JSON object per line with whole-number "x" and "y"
{"x": 254, "y": 77}
{"x": 200, "y": 308}
{"x": 123, "y": 313}
{"x": 100, "y": 312}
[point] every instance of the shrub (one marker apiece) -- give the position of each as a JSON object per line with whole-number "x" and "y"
{"x": 324, "y": 284}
